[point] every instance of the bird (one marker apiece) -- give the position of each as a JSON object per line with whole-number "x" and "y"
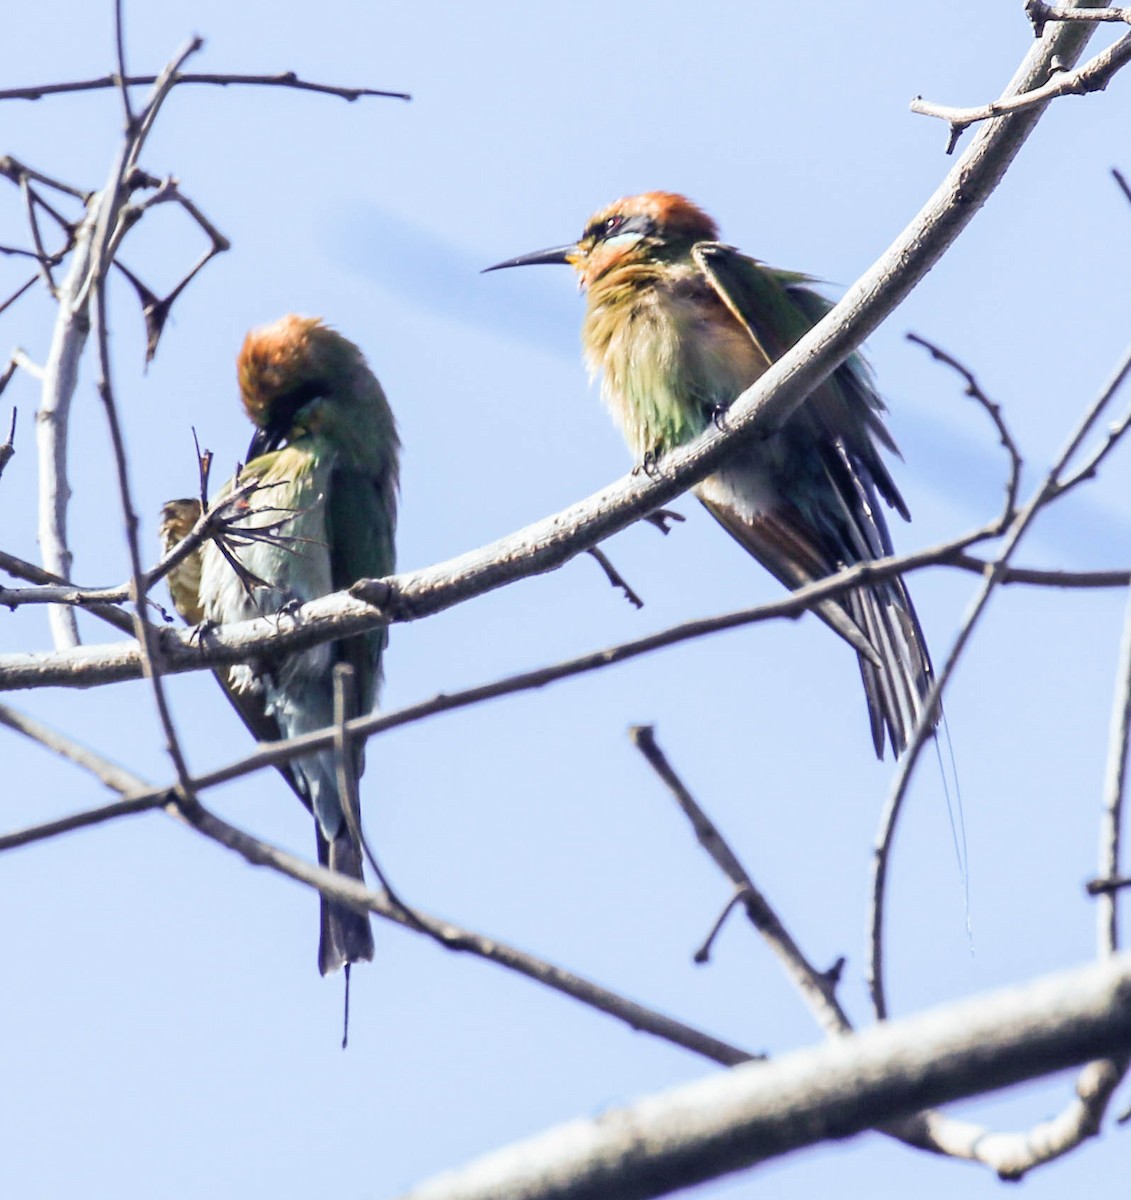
{"x": 177, "y": 520}
{"x": 314, "y": 510}
{"x": 677, "y": 324}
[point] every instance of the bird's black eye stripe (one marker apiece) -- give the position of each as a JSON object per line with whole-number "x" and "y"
{"x": 620, "y": 224}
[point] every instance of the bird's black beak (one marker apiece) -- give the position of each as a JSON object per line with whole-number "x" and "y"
{"x": 559, "y": 254}
{"x": 263, "y": 441}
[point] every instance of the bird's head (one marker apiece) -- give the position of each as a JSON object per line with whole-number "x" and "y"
{"x": 284, "y": 366}
{"x": 636, "y": 229}
{"x": 177, "y": 519}
{"x": 298, "y": 376}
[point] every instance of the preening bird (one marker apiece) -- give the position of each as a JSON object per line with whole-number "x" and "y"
{"x": 677, "y": 324}
{"x": 322, "y": 515}
{"x": 177, "y": 520}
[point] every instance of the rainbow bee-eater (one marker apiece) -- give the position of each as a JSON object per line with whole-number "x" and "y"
{"x": 323, "y": 510}
{"x": 677, "y": 324}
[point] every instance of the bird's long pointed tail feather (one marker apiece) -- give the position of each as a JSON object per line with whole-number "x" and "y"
{"x": 346, "y": 935}
{"x": 896, "y": 690}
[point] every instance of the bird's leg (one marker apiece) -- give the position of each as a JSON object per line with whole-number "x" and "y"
{"x": 650, "y": 464}
{"x": 200, "y": 633}
{"x": 289, "y": 608}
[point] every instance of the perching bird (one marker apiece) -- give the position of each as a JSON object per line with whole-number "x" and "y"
{"x": 324, "y": 458}
{"x": 177, "y": 520}
{"x": 678, "y": 324}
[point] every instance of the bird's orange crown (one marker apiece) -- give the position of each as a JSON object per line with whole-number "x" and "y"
{"x": 293, "y": 355}
{"x": 667, "y": 215}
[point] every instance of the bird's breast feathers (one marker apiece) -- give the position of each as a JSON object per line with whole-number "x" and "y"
{"x": 670, "y": 355}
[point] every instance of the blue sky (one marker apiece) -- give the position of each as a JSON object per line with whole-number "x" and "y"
{"x": 167, "y": 1032}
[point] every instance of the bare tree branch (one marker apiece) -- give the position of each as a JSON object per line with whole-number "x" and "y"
{"x": 344, "y": 890}
{"x": 60, "y": 378}
{"x": 143, "y": 631}
{"x": 789, "y": 380}
{"x": 615, "y": 578}
{"x": 817, "y": 988}
{"x": 975, "y": 392}
{"x": 57, "y": 592}
{"x": 282, "y": 79}
{"x": 1049, "y": 486}
{"x": 1042, "y": 578}
{"x": 1040, "y": 14}
{"x": 1093, "y": 76}
{"x": 8, "y": 446}
{"x": 754, "y": 1113}
{"x": 156, "y": 309}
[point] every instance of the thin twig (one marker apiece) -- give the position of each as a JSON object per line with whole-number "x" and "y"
{"x": 1040, "y": 13}
{"x": 663, "y": 518}
{"x": 975, "y": 392}
{"x": 8, "y": 446}
{"x": 1113, "y": 883}
{"x": 1012, "y": 1155}
{"x": 1115, "y": 787}
{"x": 13, "y": 169}
{"x": 283, "y": 79}
{"x": 116, "y": 778}
{"x": 41, "y": 255}
{"x": 815, "y": 987}
{"x": 1035, "y": 577}
{"x": 156, "y": 310}
{"x": 615, "y": 578}
{"x": 1093, "y": 76}
{"x": 1019, "y": 527}
{"x": 120, "y": 48}
{"x": 350, "y": 892}
{"x": 148, "y": 644}
{"x": 22, "y": 569}
{"x": 14, "y": 296}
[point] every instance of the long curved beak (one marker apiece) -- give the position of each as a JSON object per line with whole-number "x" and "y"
{"x": 559, "y": 254}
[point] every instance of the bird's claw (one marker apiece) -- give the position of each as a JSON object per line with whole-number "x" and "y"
{"x": 650, "y": 464}
{"x": 200, "y": 633}
{"x": 289, "y": 608}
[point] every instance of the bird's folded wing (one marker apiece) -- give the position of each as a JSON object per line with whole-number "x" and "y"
{"x": 786, "y": 549}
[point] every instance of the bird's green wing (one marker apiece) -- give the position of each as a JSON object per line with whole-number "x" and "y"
{"x": 779, "y": 308}
{"x": 756, "y": 296}
{"x": 361, "y": 520}
{"x": 828, "y": 513}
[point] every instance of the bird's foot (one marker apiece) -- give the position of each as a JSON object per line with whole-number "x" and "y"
{"x": 650, "y": 464}
{"x": 200, "y": 633}
{"x": 719, "y": 417}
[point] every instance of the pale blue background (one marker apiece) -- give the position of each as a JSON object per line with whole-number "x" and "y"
{"x": 165, "y": 1031}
